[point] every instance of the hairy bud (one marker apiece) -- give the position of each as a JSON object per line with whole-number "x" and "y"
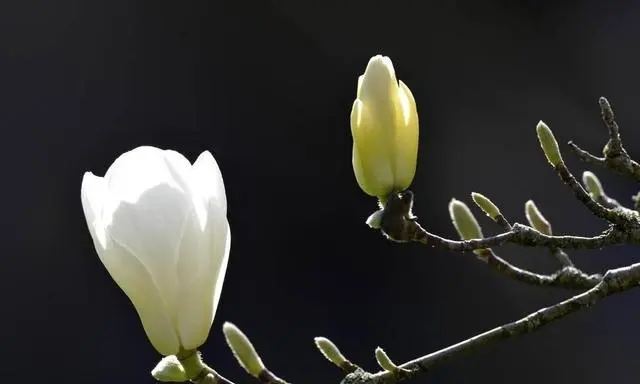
{"x": 243, "y": 350}
{"x": 169, "y": 369}
{"x": 592, "y": 185}
{"x": 330, "y": 351}
{"x": 384, "y": 361}
{"x": 486, "y": 205}
{"x": 549, "y": 144}
{"x": 535, "y": 218}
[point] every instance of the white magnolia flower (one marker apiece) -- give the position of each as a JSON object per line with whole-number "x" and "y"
{"x": 159, "y": 226}
{"x": 384, "y": 126}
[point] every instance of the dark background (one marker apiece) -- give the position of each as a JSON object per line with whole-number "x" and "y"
{"x": 267, "y": 86}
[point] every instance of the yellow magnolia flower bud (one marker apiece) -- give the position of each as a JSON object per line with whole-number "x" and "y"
{"x": 384, "y": 126}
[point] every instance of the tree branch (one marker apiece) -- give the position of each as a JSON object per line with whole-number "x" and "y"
{"x": 568, "y": 277}
{"x": 615, "y": 157}
{"x": 614, "y": 281}
{"x": 399, "y": 224}
{"x": 610, "y": 215}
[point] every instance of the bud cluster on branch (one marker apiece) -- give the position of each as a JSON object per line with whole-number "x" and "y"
{"x": 159, "y": 226}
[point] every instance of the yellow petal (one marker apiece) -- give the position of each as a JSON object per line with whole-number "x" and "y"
{"x": 406, "y": 138}
{"x": 371, "y": 153}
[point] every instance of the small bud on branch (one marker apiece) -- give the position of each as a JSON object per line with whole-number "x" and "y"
{"x": 535, "y": 218}
{"x": 486, "y": 205}
{"x": 243, "y": 350}
{"x": 331, "y": 352}
{"x": 549, "y": 144}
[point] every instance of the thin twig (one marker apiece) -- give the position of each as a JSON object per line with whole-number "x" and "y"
{"x": 219, "y": 378}
{"x": 567, "y": 277}
{"x": 503, "y": 222}
{"x": 608, "y": 202}
{"x": 562, "y": 257}
{"x": 614, "y": 146}
{"x": 615, "y": 157}
{"x": 614, "y": 281}
{"x": 267, "y": 377}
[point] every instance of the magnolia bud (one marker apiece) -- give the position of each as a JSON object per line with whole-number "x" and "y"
{"x": 375, "y": 219}
{"x": 466, "y": 224}
{"x": 486, "y": 205}
{"x": 592, "y": 184}
{"x": 330, "y": 351}
{"x": 169, "y": 369}
{"x": 549, "y": 144}
{"x": 464, "y": 221}
{"x": 384, "y": 361}
{"x": 384, "y": 127}
{"x": 243, "y": 350}
{"x": 159, "y": 225}
{"x": 535, "y": 218}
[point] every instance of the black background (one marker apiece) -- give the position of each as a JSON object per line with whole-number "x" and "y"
{"x": 267, "y": 87}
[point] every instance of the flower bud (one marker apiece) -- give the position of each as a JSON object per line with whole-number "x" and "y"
{"x": 375, "y": 219}
{"x": 243, "y": 350}
{"x": 169, "y": 369}
{"x": 486, "y": 205}
{"x": 330, "y": 351}
{"x": 384, "y": 361}
{"x": 535, "y": 218}
{"x": 549, "y": 144}
{"x": 466, "y": 224}
{"x": 159, "y": 226}
{"x": 384, "y": 127}
{"x": 464, "y": 221}
{"x": 592, "y": 185}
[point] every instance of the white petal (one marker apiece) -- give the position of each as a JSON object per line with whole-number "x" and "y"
{"x": 179, "y": 168}
{"x": 202, "y": 267}
{"x": 94, "y": 195}
{"x": 134, "y": 279}
{"x": 208, "y": 180}
{"x": 184, "y": 175}
{"x": 136, "y": 171}
{"x": 152, "y": 230}
{"x": 379, "y": 83}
